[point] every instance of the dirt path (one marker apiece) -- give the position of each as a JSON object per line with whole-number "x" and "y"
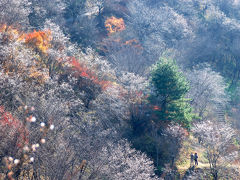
{"x": 191, "y": 145}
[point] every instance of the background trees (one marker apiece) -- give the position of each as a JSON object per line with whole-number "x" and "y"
{"x": 15, "y": 12}
{"x": 208, "y": 91}
{"x": 157, "y": 26}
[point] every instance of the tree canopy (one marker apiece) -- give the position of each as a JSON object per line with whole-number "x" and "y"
{"x": 170, "y": 87}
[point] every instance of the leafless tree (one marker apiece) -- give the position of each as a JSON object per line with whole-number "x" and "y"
{"x": 14, "y": 12}
{"x": 133, "y": 164}
{"x": 207, "y": 90}
{"x": 217, "y": 139}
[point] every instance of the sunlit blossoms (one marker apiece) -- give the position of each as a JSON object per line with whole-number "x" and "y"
{"x": 52, "y": 126}
{"x": 10, "y": 159}
{"x": 42, "y": 141}
{"x": 34, "y": 147}
{"x": 33, "y": 119}
{"x": 16, "y": 161}
{"x": 31, "y": 159}
{"x": 26, "y": 148}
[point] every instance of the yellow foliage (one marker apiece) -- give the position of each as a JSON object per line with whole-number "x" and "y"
{"x": 40, "y": 76}
{"x": 114, "y": 24}
{"x": 10, "y": 32}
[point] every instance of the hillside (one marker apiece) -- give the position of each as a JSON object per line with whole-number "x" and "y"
{"x": 119, "y": 89}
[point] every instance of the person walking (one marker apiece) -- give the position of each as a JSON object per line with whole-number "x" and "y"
{"x": 192, "y": 159}
{"x": 196, "y": 159}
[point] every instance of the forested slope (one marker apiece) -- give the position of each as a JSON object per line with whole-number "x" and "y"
{"x": 119, "y": 89}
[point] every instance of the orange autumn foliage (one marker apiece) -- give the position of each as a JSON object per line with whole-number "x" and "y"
{"x": 133, "y": 42}
{"x": 36, "y": 39}
{"x": 156, "y": 108}
{"x": 39, "y": 39}
{"x": 114, "y": 24}
{"x": 3, "y": 28}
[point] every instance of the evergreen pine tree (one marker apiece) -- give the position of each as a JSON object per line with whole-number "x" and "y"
{"x": 170, "y": 87}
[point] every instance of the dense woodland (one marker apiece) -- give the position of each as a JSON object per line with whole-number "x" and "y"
{"x": 119, "y": 89}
